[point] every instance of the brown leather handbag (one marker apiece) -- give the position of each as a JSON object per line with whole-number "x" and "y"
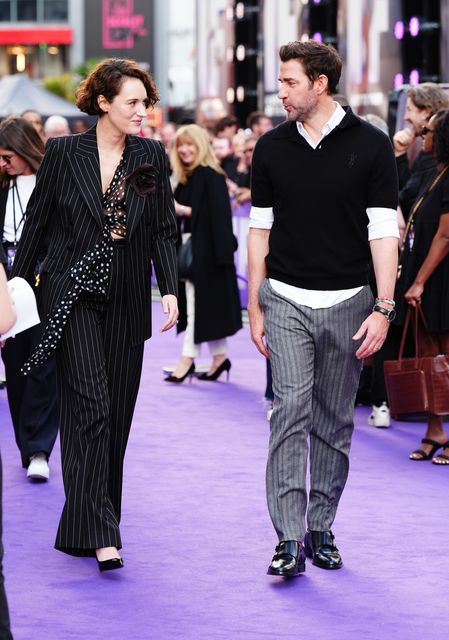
{"x": 419, "y": 384}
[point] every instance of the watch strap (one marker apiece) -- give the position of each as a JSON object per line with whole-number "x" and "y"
{"x": 388, "y": 313}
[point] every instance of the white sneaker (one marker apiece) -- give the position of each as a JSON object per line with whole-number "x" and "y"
{"x": 38, "y": 468}
{"x": 380, "y": 416}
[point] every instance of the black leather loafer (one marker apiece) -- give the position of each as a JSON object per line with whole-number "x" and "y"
{"x": 289, "y": 560}
{"x": 319, "y": 545}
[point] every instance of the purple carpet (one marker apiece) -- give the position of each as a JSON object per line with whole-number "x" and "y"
{"x": 197, "y": 538}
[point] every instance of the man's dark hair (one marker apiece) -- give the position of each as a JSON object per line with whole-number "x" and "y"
{"x": 223, "y": 123}
{"x": 441, "y": 136}
{"x": 255, "y": 117}
{"x": 317, "y": 59}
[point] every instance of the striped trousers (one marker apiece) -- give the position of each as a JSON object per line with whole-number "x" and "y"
{"x": 315, "y": 379}
{"x": 98, "y": 379}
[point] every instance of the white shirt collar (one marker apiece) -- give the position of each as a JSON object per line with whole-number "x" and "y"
{"x": 333, "y": 121}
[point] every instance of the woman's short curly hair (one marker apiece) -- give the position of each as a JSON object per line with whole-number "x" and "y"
{"x": 441, "y": 136}
{"x": 106, "y": 80}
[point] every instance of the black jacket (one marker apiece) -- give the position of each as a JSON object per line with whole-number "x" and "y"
{"x": 217, "y": 300}
{"x": 413, "y": 180}
{"x": 66, "y": 205}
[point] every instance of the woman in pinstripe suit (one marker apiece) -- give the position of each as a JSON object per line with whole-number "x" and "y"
{"x": 104, "y": 198}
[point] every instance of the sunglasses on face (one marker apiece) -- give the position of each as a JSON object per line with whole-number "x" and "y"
{"x": 425, "y": 130}
{"x": 6, "y": 158}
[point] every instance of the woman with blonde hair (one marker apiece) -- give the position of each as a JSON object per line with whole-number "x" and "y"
{"x": 209, "y": 299}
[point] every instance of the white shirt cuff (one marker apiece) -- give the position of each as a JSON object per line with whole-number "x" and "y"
{"x": 261, "y": 217}
{"x": 383, "y": 223}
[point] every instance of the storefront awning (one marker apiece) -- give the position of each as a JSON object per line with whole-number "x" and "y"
{"x": 37, "y": 35}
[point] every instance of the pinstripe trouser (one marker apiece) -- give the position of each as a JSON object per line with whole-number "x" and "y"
{"x": 315, "y": 379}
{"x": 98, "y": 380}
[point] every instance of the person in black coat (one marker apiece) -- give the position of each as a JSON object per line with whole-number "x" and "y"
{"x": 209, "y": 301}
{"x": 424, "y": 272}
{"x": 7, "y": 319}
{"x": 103, "y": 199}
{"x": 32, "y": 400}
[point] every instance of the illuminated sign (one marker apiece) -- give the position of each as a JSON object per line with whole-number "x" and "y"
{"x": 121, "y": 25}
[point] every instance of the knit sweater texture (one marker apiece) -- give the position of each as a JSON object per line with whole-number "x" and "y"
{"x": 319, "y": 237}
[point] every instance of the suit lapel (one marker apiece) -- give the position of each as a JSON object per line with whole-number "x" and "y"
{"x": 85, "y": 167}
{"x": 135, "y": 204}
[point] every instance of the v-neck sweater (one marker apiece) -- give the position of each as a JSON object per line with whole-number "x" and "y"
{"x": 319, "y": 237}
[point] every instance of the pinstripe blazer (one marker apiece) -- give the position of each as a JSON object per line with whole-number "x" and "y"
{"x": 66, "y": 206}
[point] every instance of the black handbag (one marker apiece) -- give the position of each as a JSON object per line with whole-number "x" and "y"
{"x": 185, "y": 260}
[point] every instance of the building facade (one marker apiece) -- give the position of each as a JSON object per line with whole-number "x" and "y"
{"x": 216, "y": 56}
{"x": 50, "y": 37}
{"x": 35, "y": 36}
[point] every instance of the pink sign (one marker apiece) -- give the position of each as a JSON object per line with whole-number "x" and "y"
{"x": 121, "y": 25}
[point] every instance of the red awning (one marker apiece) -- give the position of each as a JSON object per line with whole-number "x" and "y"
{"x": 37, "y": 35}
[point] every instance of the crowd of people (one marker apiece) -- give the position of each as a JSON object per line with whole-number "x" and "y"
{"x": 99, "y": 206}
{"x": 422, "y": 276}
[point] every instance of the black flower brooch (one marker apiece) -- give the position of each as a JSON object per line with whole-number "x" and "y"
{"x": 143, "y": 179}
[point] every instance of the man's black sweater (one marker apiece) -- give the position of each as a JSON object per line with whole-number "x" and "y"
{"x": 319, "y": 238}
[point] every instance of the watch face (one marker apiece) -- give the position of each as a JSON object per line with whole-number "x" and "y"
{"x": 390, "y": 314}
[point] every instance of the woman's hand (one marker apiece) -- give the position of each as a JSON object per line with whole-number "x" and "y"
{"x": 413, "y": 295}
{"x": 170, "y": 307}
{"x": 243, "y": 195}
{"x": 232, "y": 187}
{"x": 182, "y": 210}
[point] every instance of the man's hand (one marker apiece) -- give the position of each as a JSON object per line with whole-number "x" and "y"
{"x": 402, "y": 140}
{"x": 375, "y": 329}
{"x": 170, "y": 306}
{"x": 255, "y": 316}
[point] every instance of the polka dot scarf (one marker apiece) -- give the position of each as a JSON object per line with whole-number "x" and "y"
{"x": 91, "y": 273}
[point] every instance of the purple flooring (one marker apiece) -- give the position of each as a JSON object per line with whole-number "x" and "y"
{"x": 197, "y": 536}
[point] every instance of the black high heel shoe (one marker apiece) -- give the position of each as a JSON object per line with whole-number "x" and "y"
{"x": 225, "y": 366}
{"x": 190, "y": 371}
{"x": 109, "y": 565}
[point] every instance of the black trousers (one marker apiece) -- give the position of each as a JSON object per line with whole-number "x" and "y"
{"x": 32, "y": 398}
{"x": 98, "y": 380}
{"x": 5, "y": 632}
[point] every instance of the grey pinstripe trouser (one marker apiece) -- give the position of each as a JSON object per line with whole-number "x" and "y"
{"x": 315, "y": 379}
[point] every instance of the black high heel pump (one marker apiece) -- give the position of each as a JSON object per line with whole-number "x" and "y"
{"x": 225, "y": 366}
{"x": 190, "y": 371}
{"x": 109, "y": 565}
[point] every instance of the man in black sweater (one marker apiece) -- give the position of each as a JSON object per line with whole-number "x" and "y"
{"x": 324, "y": 198}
